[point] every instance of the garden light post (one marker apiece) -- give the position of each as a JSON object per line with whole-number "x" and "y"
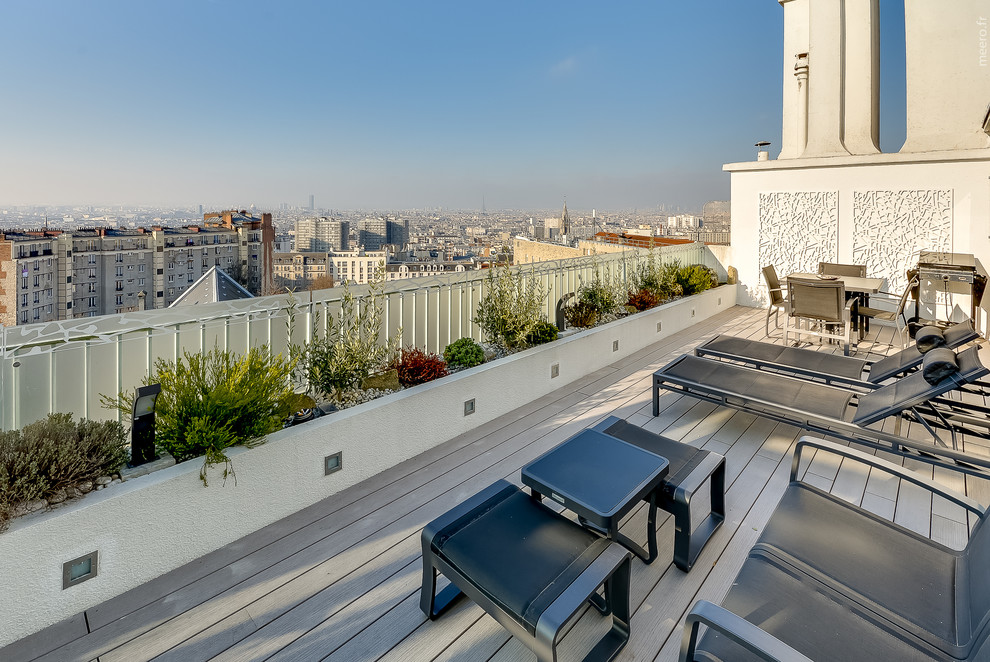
{"x": 143, "y": 424}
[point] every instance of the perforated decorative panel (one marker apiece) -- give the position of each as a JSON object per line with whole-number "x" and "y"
{"x": 890, "y": 228}
{"x": 798, "y": 230}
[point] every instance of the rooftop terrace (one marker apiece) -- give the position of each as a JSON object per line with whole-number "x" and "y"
{"x": 340, "y": 580}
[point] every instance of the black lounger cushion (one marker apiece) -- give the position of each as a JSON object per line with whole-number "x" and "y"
{"x": 512, "y": 547}
{"x": 887, "y": 367}
{"x": 939, "y": 364}
{"x": 733, "y": 347}
{"x": 843, "y": 545}
{"x": 739, "y": 383}
{"x": 802, "y": 614}
{"x": 914, "y": 389}
{"x": 928, "y": 338}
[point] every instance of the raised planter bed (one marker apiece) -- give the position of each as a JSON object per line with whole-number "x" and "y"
{"x": 155, "y": 523}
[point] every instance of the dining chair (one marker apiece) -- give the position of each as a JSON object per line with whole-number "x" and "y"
{"x": 823, "y": 307}
{"x": 777, "y": 300}
{"x": 897, "y": 316}
{"x": 836, "y": 269}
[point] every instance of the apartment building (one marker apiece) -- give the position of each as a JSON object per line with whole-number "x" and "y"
{"x": 321, "y": 235}
{"x": 376, "y": 233}
{"x": 31, "y": 278}
{"x": 112, "y": 271}
{"x": 297, "y": 271}
{"x": 256, "y": 245}
{"x": 406, "y": 270}
{"x": 53, "y": 275}
{"x": 357, "y": 266}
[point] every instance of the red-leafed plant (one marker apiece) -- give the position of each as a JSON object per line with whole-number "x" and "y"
{"x": 643, "y": 299}
{"x": 417, "y": 367}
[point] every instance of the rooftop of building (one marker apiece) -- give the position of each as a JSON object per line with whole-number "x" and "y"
{"x": 300, "y": 256}
{"x": 640, "y": 241}
{"x": 340, "y": 580}
{"x": 213, "y": 286}
{"x": 29, "y": 235}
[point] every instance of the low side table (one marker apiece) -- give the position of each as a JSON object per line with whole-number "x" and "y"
{"x": 600, "y": 478}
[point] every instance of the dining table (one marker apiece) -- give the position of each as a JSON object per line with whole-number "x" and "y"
{"x": 852, "y": 283}
{"x": 858, "y": 284}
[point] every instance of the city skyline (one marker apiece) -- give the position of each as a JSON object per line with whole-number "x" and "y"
{"x": 387, "y": 106}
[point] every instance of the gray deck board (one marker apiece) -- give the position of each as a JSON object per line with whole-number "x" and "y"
{"x": 340, "y": 580}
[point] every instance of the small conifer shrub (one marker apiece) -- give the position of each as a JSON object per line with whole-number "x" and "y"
{"x": 696, "y": 278}
{"x": 464, "y": 353}
{"x": 216, "y": 399}
{"x": 543, "y": 332}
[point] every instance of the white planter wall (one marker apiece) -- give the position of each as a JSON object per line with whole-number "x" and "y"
{"x": 153, "y": 524}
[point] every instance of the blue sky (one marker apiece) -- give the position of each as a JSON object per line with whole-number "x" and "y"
{"x": 386, "y": 105}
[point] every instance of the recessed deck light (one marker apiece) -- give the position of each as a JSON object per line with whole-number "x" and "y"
{"x": 332, "y": 463}
{"x": 81, "y": 569}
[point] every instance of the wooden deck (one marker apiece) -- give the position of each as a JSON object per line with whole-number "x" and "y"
{"x": 340, "y": 580}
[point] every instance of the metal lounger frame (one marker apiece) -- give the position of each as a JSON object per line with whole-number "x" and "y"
{"x": 759, "y": 641}
{"x": 704, "y": 350}
{"x": 763, "y": 364}
{"x": 960, "y": 407}
{"x": 938, "y": 454}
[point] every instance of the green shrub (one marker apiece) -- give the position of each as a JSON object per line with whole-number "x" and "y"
{"x": 658, "y": 277}
{"x": 512, "y": 306}
{"x": 543, "y": 332}
{"x": 211, "y": 401}
{"x": 581, "y": 314}
{"x": 55, "y": 453}
{"x": 20, "y": 478}
{"x": 696, "y": 278}
{"x": 464, "y": 353}
{"x": 601, "y": 295}
{"x": 349, "y": 349}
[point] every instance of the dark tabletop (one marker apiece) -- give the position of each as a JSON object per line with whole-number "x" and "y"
{"x": 595, "y": 475}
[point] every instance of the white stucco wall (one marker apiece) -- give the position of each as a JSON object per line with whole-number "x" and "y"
{"x": 152, "y": 524}
{"x": 948, "y": 74}
{"x": 965, "y": 174}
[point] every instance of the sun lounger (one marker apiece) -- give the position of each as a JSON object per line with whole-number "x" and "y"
{"x": 833, "y": 368}
{"x": 830, "y": 581}
{"x": 831, "y": 410}
{"x": 529, "y": 567}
